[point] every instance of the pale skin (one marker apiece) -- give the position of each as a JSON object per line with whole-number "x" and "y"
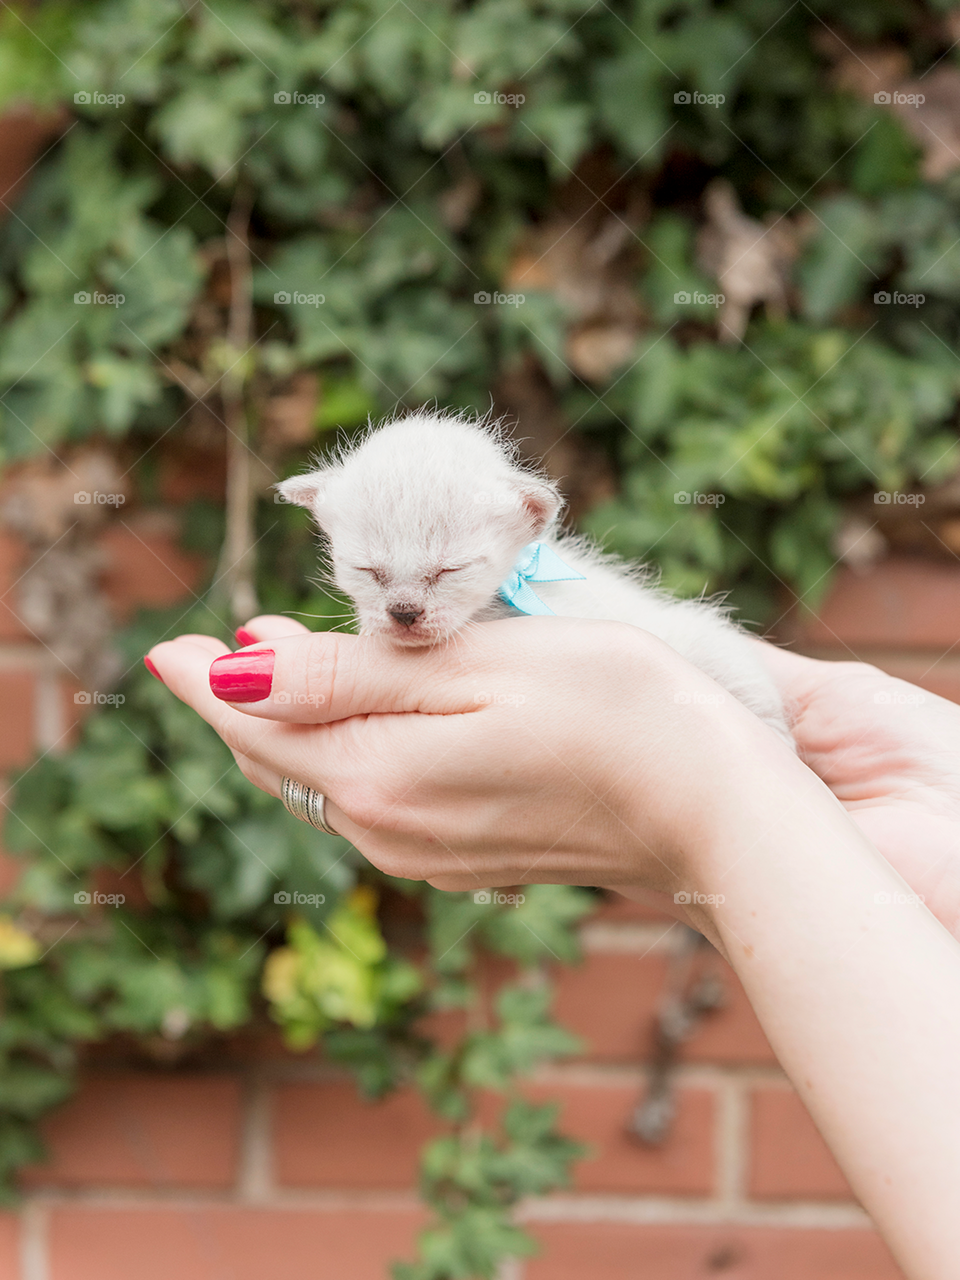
{"x": 531, "y": 752}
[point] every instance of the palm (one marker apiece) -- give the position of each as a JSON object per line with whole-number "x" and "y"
{"x": 891, "y": 754}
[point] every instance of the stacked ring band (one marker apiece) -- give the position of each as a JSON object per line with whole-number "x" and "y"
{"x": 306, "y": 804}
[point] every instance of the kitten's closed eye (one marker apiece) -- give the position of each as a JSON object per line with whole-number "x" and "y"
{"x": 430, "y": 580}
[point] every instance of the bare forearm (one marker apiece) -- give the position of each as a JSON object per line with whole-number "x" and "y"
{"x": 858, "y": 989}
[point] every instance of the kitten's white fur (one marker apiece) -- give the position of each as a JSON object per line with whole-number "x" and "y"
{"x": 427, "y": 516}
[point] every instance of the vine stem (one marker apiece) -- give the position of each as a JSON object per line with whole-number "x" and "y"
{"x": 236, "y": 571}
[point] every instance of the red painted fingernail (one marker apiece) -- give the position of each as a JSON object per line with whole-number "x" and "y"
{"x": 152, "y": 669}
{"x": 243, "y": 677}
{"x": 244, "y": 637}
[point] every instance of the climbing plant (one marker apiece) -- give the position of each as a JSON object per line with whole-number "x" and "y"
{"x": 702, "y": 250}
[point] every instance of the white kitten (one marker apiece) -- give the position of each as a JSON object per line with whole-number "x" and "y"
{"x": 429, "y": 519}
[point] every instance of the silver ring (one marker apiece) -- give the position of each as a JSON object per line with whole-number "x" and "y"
{"x": 306, "y": 804}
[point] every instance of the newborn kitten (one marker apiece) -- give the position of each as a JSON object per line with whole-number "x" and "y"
{"x": 429, "y": 519}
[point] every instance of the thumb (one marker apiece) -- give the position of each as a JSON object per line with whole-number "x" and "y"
{"x": 321, "y": 677}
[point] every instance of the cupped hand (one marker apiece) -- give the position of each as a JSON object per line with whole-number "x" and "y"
{"x": 890, "y": 752}
{"x": 537, "y": 754}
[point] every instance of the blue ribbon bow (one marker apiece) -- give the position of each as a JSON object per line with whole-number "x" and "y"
{"x": 537, "y": 562}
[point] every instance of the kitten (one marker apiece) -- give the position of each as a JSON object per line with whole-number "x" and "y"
{"x": 433, "y": 524}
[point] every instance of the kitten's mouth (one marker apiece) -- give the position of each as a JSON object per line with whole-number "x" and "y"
{"x": 416, "y": 636}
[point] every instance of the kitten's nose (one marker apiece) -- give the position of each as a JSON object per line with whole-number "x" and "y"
{"x": 405, "y": 614}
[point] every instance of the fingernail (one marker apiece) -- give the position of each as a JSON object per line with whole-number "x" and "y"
{"x": 152, "y": 669}
{"x": 244, "y": 637}
{"x": 243, "y": 677}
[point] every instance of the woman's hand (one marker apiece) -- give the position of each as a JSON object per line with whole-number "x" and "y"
{"x": 551, "y": 754}
{"x": 561, "y": 753}
{"x": 890, "y": 752}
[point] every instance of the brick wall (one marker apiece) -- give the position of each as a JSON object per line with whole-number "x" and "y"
{"x": 264, "y": 1163}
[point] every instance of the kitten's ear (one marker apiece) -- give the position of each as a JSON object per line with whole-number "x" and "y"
{"x": 304, "y": 491}
{"x": 540, "y": 503}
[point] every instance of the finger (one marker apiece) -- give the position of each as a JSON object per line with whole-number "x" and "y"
{"x": 183, "y": 665}
{"x": 320, "y": 677}
{"x": 329, "y": 754}
{"x": 269, "y": 626}
{"x": 213, "y": 646}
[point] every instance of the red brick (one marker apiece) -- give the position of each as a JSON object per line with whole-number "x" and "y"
{"x": 144, "y": 1130}
{"x": 9, "y": 1245}
{"x": 17, "y": 697}
{"x": 618, "y": 1251}
{"x": 789, "y": 1159}
{"x": 13, "y": 561}
{"x": 227, "y": 1244}
{"x": 146, "y": 567}
{"x": 901, "y": 603}
{"x": 618, "y": 1163}
{"x": 187, "y": 473}
{"x": 610, "y": 1001}
{"x": 326, "y": 1135}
